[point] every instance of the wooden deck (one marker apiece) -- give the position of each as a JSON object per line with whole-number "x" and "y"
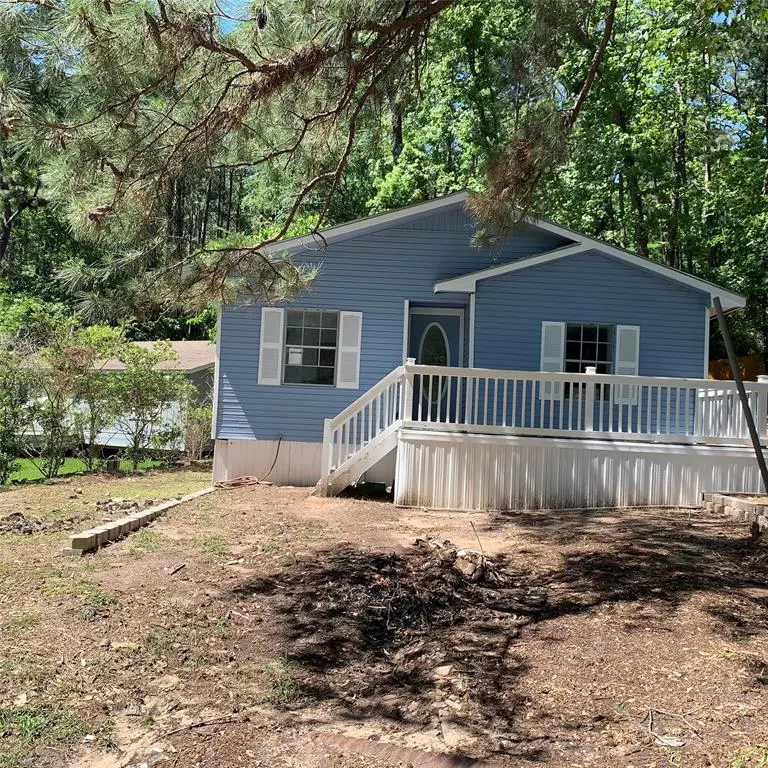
{"x": 479, "y": 437}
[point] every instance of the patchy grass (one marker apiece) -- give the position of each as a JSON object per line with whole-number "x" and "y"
{"x": 19, "y": 667}
{"x": 19, "y": 624}
{"x": 283, "y": 687}
{"x": 26, "y": 729}
{"x": 27, "y": 469}
{"x": 310, "y": 531}
{"x": 77, "y": 587}
{"x": 268, "y": 544}
{"x": 157, "y": 643}
{"x": 754, "y": 757}
{"x": 146, "y": 540}
{"x": 214, "y": 544}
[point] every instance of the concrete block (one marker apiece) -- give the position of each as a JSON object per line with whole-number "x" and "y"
{"x": 73, "y": 552}
{"x": 706, "y": 497}
{"x": 762, "y": 521}
{"x": 103, "y": 534}
{"x": 84, "y": 541}
{"x": 719, "y": 508}
{"x": 709, "y": 506}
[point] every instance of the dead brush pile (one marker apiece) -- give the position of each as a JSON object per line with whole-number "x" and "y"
{"x": 411, "y": 633}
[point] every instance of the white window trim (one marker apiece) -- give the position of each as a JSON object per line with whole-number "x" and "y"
{"x": 611, "y": 326}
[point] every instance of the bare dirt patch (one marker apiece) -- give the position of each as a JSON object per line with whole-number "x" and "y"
{"x": 261, "y": 626}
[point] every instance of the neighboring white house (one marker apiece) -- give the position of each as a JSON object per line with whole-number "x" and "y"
{"x": 195, "y": 359}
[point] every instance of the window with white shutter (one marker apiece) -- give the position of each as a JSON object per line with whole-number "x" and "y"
{"x": 552, "y": 357}
{"x": 627, "y": 360}
{"x": 348, "y": 359}
{"x": 271, "y": 345}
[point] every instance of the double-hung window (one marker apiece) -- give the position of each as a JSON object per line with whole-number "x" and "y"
{"x": 316, "y": 347}
{"x": 311, "y": 341}
{"x": 587, "y": 345}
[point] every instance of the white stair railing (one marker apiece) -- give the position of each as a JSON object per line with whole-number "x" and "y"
{"x": 368, "y": 419}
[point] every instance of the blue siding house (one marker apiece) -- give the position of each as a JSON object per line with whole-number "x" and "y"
{"x": 457, "y": 374}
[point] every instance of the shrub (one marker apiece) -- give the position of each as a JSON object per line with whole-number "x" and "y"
{"x": 197, "y": 432}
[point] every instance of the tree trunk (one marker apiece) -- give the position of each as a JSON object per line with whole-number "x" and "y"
{"x": 633, "y": 187}
{"x": 397, "y": 132}
{"x": 5, "y": 236}
{"x": 672, "y": 252}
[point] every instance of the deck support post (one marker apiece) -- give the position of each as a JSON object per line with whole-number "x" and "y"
{"x": 736, "y": 371}
{"x": 589, "y": 401}
{"x": 407, "y": 414}
{"x": 327, "y": 457}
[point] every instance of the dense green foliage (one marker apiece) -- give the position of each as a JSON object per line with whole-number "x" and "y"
{"x": 165, "y": 145}
{"x": 56, "y": 398}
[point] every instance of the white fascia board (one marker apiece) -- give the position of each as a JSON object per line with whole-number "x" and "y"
{"x": 468, "y": 283}
{"x": 317, "y": 241}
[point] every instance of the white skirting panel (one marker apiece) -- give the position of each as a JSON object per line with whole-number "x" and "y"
{"x": 297, "y": 463}
{"x": 477, "y": 472}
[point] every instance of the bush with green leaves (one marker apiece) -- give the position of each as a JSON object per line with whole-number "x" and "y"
{"x": 147, "y": 396}
{"x": 197, "y": 433}
{"x": 15, "y": 413}
{"x": 68, "y": 393}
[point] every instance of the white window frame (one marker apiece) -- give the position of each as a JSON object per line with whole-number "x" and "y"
{"x": 286, "y": 346}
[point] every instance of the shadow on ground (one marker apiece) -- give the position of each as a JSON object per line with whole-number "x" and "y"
{"x": 408, "y": 636}
{"x": 658, "y": 556}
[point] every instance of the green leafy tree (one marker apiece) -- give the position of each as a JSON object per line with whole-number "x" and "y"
{"x": 96, "y": 406}
{"x": 15, "y": 413}
{"x": 146, "y": 397}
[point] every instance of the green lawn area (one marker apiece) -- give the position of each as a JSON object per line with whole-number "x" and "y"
{"x": 28, "y": 471}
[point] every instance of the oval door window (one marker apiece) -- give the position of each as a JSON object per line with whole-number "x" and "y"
{"x": 434, "y": 350}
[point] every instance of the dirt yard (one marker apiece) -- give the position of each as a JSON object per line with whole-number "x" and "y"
{"x": 264, "y": 627}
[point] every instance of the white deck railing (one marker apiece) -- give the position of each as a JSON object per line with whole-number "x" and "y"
{"x": 641, "y": 408}
{"x": 596, "y": 405}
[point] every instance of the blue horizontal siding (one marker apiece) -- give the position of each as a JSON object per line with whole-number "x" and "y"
{"x": 590, "y": 288}
{"x": 374, "y": 274}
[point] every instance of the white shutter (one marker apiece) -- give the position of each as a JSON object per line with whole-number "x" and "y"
{"x": 348, "y": 354}
{"x": 627, "y": 356}
{"x": 271, "y": 346}
{"x": 552, "y": 357}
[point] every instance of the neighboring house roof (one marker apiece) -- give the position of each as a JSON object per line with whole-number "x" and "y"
{"x": 191, "y": 356}
{"x": 466, "y": 283}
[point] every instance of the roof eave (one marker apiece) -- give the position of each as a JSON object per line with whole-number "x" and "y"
{"x": 468, "y": 283}
{"x": 318, "y": 241}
